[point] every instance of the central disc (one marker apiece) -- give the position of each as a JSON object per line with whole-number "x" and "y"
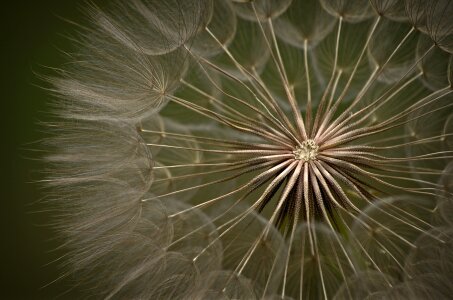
{"x": 306, "y": 151}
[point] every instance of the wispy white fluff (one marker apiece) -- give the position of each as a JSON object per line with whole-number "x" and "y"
{"x": 175, "y": 166}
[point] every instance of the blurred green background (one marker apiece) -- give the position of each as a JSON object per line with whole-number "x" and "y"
{"x": 32, "y": 33}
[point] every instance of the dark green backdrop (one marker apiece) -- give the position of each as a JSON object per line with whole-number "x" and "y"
{"x": 32, "y": 32}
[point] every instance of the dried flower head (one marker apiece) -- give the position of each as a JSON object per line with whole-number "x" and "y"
{"x": 258, "y": 149}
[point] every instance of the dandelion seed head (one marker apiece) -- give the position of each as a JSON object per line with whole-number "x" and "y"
{"x": 257, "y": 149}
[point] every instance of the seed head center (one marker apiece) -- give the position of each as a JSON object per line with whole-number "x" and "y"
{"x": 306, "y": 151}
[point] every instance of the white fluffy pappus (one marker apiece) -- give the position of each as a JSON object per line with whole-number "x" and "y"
{"x": 260, "y": 149}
